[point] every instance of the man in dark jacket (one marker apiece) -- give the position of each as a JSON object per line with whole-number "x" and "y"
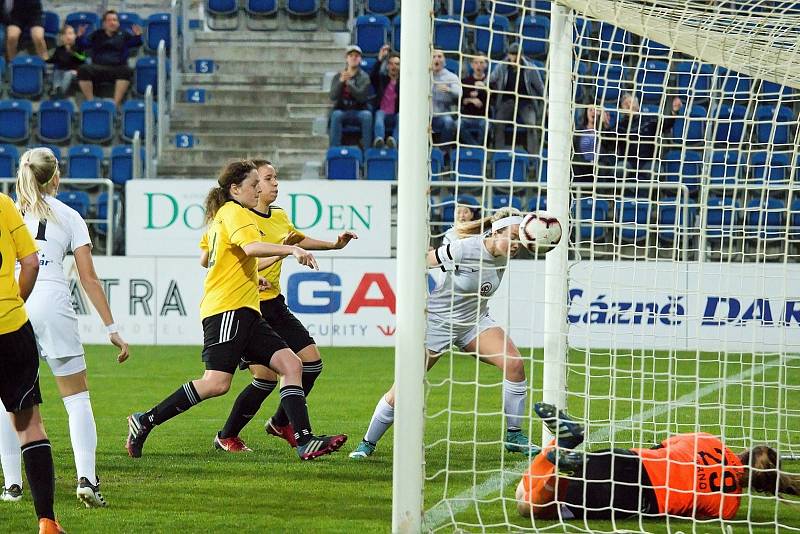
{"x": 385, "y": 77}
{"x": 638, "y": 133}
{"x": 350, "y": 93}
{"x": 109, "y": 48}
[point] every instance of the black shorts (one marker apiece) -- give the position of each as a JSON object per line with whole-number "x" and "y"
{"x": 593, "y": 495}
{"x": 282, "y": 320}
{"x": 25, "y": 15}
{"x": 104, "y": 73}
{"x": 19, "y": 369}
{"x": 238, "y": 336}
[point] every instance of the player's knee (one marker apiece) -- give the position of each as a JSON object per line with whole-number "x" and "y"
{"x": 515, "y": 369}
{"x": 389, "y": 398}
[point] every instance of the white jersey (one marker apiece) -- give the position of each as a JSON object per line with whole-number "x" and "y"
{"x": 468, "y": 276}
{"x": 55, "y": 239}
{"x": 450, "y": 235}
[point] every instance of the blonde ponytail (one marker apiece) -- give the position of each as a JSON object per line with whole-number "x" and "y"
{"x": 481, "y": 226}
{"x": 38, "y": 168}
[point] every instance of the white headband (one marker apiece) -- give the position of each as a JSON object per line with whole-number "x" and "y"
{"x": 505, "y": 222}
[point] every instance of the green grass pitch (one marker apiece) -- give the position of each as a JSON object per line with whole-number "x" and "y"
{"x": 182, "y": 484}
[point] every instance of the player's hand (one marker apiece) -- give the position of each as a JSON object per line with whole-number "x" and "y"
{"x": 305, "y": 258}
{"x": 344, "y": 239}
{"x": 117, "y": 340}
{"x": 263, "y": 284}
{"x": 136, "y": 29}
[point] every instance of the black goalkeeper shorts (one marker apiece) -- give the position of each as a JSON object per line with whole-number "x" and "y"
{"x": 19, "y": 369}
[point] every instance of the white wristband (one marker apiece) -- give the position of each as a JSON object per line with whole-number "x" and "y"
{"x": 112, "y": 329}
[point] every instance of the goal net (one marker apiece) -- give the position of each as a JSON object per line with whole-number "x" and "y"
{"x": 664, "y": 134}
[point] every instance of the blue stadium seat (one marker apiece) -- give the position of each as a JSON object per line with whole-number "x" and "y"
{"x": 101, "y": 209}
{"x": 691, "y": 129}
{"x": 502, "y": 200}
{"x": 771, "y": 91}
{"x": 730, "y": 123}
{"x": 15, "y": 119}
{"x": 121, "y": 165}
{"x": 157, "y": 30}
{"x": 612, "y": 40}
{"x": 133, "y": 119}
{"x": 736, "y": 86}
{"x": 505, "y": 9}
{"x": 469, "y": 164}
{"x": 83, "y": 18}
{"x": 693, "y": 80}
{"x": 765, "y": 218}
{"x": 343, "y": 163}
{"x": 537, "y": 202}
{"x": 722, "y": 215}
{"x": 651, "y": 48}
{"x": 97, "y": 120}
{"x": 381, "y": 164}
{"x": 85, "y": 161}
{"x": 684, "y": 168}
{"x": 593, "y": 213}
{"x": 51, "y": 23}
{"x": 611, "y": 80}
{"x": 27, "y": 76}
{"x": 674, "y": 216}
{"x": 770, "y": 169}
{"x": 302, "y": 8}
{"x": 453, "y": 65}
{"x": 437, "y": 163}
{"x": 448, "y": 206}
{"x": 535, "y": 31}
{"x": 773, "y": 124}
{"x": 511, "y": 166}
{"x": 396, "y": 33}
{"x": 382, "y": 7}
{"x": 262, "y": 8}
{"x": 634, "y": 216}
{"x": 372, "y": 32}
{"x": 794, "y": 220}
{"x": 724, "y": 168}
{"x": 367, "y": 63}
{"x": 651, "y": 78}
{"x": 222, "y": 8}
{"x": 55, "y": 121}
{"x": 582, "y": 32}
{"x": 128, "y": 19}
{"x": 146, "y": 73}
{"x": 447, "y": 33}
{"x": 489, "y": 35}
{"x": 9, "y": 155}
{"x": 466, "y": 8}
{"x": 338, "y": 8}
{"x": 77, "y": 200}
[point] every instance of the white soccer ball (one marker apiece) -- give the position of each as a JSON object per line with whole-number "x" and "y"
{"x": 539, "y": 232}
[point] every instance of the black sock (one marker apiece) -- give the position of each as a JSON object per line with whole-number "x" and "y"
{"x": 38, "y": 459}
{"x": 294, "y": 402}
{"x": 184, "y": 398}
{"x": 246, "y": 406}
{"x": 311, "y": 370}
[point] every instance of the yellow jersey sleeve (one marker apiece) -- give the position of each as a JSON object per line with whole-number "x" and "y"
{"x": 15, "y": 242}
{"x": 23, "y": 241}
{"x": 204, "y": 242}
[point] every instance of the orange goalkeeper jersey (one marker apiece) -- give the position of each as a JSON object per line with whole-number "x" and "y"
{"x": 694, "y": 475}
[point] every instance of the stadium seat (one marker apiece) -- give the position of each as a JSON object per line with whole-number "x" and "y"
{"x": 259, "y": 11}
{"x": 27, "y": 77}
{"x": 722, "y": 215}
{"x": 509, "y": 10}
{"x": 466, "y": 8}
{"x": 77, "y": 200}
{"x": 502, "y": 200}
{"x": 380, "y": 164}
{"x": 85, "y": 161}
{"x": 437, "y": 163}
{"x": 396, "y": 28}
{"x": 537, "y": 202}
{"x": 97, "y": 120}
{"x": 453, "y": 65}
{"x": 55, "y": 121}
{"x": 338, "y": 8}
{"x": 771, "y": 91}
{"x": 343, "y": 163}
{"x": 612, "y": 40}
{"x": 372, "y": 32}
{"x": 765, "y": 218}
{"x": 693, "y": 128}
{"x": 535, "y": 31}
{"x": 302, "y": 8}
{"x": 735, "y": 86}
{"x": 773, "y": 124}
{"x": 133, "y": 119}
{"x": 724, "y": 168}
{"x": 730, "y": 123}
{"x": 794, "y": 220}
{"x": 611, "y": 80}
{"x": 769, "y": 169}
{"x": 652, "y": 48}
{"x": 15, "y": 119}
{"x": 83, "y": 18}
{"x": 489, "y": 35}
{"x": 684, "y": 167}
{"x": 651, "y": 77}
{"x": 582, "y": 33}
{"x": 51, "y": 23}
{"x": 121, "y": 165}
{"x": 507, "y": 165}
{"x": 469, "y": 164}
{"x": 127, "y": 20}
{"x": 693, "y": 80}
{"x": 382, "y": 7}
{"x": 222, "y": 8}
{"x": 592, "y": 211}
{"x": 145, "y": 73}
{"x": 673, "y": 216}
{"x": 9, "y": 155}
{"x": 634, "y": 216}
{"x": 157, "y": 30}
{"x": 101, "y": 209}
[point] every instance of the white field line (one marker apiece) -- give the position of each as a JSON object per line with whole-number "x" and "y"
{"x": 448, "y": 509}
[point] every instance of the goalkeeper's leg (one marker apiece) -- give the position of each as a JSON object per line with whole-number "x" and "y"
{"x": 536, "y": 492}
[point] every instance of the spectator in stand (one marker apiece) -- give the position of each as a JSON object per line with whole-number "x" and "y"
{"x": 638, "y": 133}
{"x": 385, "y": 78}
{"x": 21, "y": 15}
{"x": 526, "y": 110}
{"x": 67, "y": 58}
{"x": 109, "y": 48}
{"x": 594, "y": 143}
{"x": 446, "y": 92}
{"x": 350, "y": 94}
{"x": 473, "y": 105}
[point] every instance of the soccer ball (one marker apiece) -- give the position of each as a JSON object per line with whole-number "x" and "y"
{"x": 539, "y": 232}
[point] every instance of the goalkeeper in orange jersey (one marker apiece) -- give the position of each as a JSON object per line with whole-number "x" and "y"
{"x": 687, "y": 475}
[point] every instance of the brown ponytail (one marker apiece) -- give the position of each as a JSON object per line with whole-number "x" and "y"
{"x": 234, "y": 173}
{"x": 480, "y": 226}
{"x": 764, "y": 474}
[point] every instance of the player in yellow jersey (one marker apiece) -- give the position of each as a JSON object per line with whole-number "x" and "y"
{"x": 19, "y": 359}
{"x": 275, "y": 227}
{"x": 233, "y": 328}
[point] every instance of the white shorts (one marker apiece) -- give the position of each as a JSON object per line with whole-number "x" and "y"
{"x": 440, "y": 335}
{"x": 54, "y": 323}
{"x": 66, "y": 366}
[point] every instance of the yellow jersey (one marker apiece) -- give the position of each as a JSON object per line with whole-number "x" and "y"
{"x": 15, "y": 242}
{"x": 276, "y": 228}
{"x": 232, "y": 278}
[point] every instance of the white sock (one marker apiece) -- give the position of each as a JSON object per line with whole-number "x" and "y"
{"x": 10, "y": 454}
{"x": 381, "y": 420}
{"x": 515, "y": 399}
{"x": 82, "y": 433}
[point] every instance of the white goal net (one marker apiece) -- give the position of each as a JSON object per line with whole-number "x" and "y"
{"x": 675, "y": 140}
